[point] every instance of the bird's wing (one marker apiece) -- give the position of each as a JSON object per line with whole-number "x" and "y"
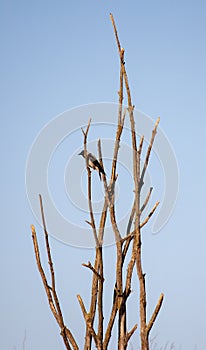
{"x": 96, "y": 163}
{"x": 92, "y": 158}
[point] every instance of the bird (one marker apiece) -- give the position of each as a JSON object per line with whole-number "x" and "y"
{"x": 93, "y": 163}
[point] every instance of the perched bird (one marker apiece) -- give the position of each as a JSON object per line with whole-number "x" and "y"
{"x": 93, "y": 163}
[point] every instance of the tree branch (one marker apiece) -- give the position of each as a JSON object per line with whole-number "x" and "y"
{"x": 56, "y": 310}
{"x": 146, "y": 200}
{"x": 150, "y": 214}
{"x": 154, "y": 131}
{"x": 88, "y": 320}
{"x": 110, "y": 323}
{"x": 136, "y": 175}
{"x": 131, "y": 332}
{"x": 97, "y": 283}
{"x": 89, "y": 265}
{"x": 89, "y": 185}
{"x": 155, "y": 313}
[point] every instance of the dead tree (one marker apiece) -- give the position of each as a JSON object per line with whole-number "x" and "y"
{"x": 99, "y": 333}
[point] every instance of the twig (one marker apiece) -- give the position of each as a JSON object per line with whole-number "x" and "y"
{"x": 89, "y": 266}
{"x": 42, "y": 274}
{"x": 82, "y": 306}
{"x": 88, "y": 320}
{"x": 155, "y": 313}
{"x": 133, "y": 207}
{"x": 154, "y": 131}
{"x": 110, "y": 323}
{"x": 131, "y": 332}
{"x": 130, "y": 235}
{"x": 150, "y": 214}
{"x": 85, "y": 133}
{"x": 129, "y": 225}
{"x": 116, "y": 146}
{"x": 120, "y": 92}
{"x": 65, "y": 332}
{"x": 141, "y": 144}
{"x": 146, "y": 200}
{"x": 106, "y": 201}
{"x": 48, "y": 252}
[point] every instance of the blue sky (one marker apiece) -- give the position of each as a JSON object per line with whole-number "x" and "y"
{"x": 59, "y": 55}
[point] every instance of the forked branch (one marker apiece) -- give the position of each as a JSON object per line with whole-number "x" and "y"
{"x": 51, "y": 290}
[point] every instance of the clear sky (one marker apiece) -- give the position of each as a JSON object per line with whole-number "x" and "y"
{"x": 58, "y": 55}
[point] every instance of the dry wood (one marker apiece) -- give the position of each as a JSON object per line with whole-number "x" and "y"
{"x": 136, "y": 212}
{"x": 89, "y": 185}
{"x": 89, "y": 265}
{"x": 51, "y": 291}
{"x": 146, "y": 200}
{"x": 94, "y": 318}
{"x": 154, "y": 131}
{"x": 88, "y": 321}
{"x": 155, "y": 313}
{"x": 98, "y": 260}
{"x": 130, "y": 333}
{"x": 150, "y": 214}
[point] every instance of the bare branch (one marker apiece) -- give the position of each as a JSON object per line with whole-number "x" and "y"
{"x": 89, "y": 266}
{"x": 42, "y": 274}
{"x": 155, "y": 313}
{"x": 56, "y": 299}
{"x": 106, "y": 201}
{"x": 129, "y": 225}
{"x": 89, "y": 223}
{"x": 117, "y": 145}
{"x": 88, "y": 320}
{"x": 150, "y": 214}
{"x": 89, "y": 185}
{"x": 100, "y": 297}
{"x": 134, "y": 144}
{"x": 97, "y": 281}
{"x": 146, "y": 200}
{"x": 115, "y": 32}
{"x": 48, "y": 247}
{"x": 121, "y": 87}
{"x": 130, "y": 235}
{"x": 133, "y": 207}
{"x": 65, "y": 332}
{"x": 154, "y": 131}
{"x": 81, "y": 303}
{"x": 110, "y": 323}
{"x": 110, "y": 197}
{"x": 131, "y": 332}
{"x": 141, "y": 144}
{"x": 85, "y": 133}
{"x": 136, "y": 176}
{"x": 99, "y": 259}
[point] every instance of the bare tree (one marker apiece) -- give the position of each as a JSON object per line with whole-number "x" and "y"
{"x": 98, "y": 332}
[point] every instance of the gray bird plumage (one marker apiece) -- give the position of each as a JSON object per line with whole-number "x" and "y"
{"x": 93, "y": 163}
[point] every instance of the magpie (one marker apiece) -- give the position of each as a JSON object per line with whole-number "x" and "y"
{"x": 93, "y": 163}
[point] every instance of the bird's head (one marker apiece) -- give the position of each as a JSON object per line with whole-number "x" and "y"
{"x": 81, "y": 153}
